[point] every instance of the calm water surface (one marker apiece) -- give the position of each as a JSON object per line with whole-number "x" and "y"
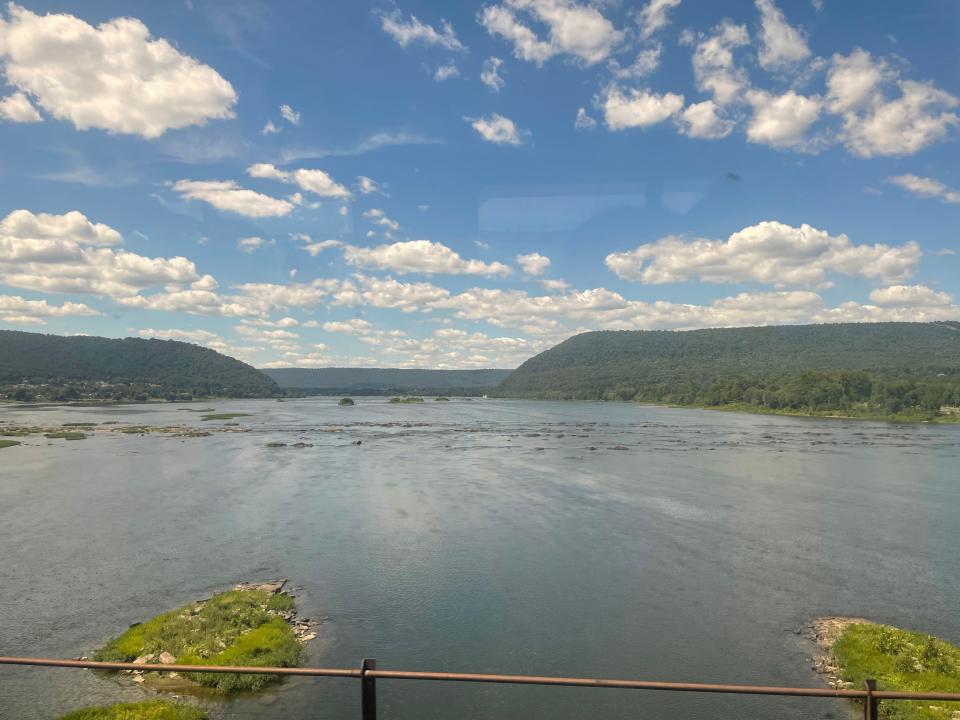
{"x": 486, "y": 536}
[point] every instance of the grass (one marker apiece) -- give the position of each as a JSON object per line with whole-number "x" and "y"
{"x": 8, "y": 443}
{"x": 237, "y": 627}
{"x": 66, "y": 435}
{"x": 146, "y": 710}
{"x": 441, "y": 399}
{"x": 80, "y": 425}
{"x": 224, "y": 416}
{"x": 410, "y": 399}
{"x": 900, "y": 660}
{"x": 345, "y": 402}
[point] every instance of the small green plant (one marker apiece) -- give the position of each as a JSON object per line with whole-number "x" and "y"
{"x": 146, "y": 710}
{"x": 66, "y": 435}
{"x": 225, "y": 416}
{"x": 8, "y": 443}
{"x": 408, "y": 399}
{"x": 346, "y": 402}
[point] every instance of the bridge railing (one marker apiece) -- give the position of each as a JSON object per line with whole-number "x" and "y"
{"x": 368, "y": 674}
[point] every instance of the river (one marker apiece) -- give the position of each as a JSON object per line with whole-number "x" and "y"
{"x": 554, "y": 538}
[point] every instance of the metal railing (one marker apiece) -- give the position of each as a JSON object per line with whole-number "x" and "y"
{"x": 368, "y": 674}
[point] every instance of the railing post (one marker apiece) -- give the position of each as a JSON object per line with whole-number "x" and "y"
{"x": 870, "y": 702}
{"x": 368, "y": 690}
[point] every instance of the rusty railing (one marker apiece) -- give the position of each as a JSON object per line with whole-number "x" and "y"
{"x": 368, "y": 674}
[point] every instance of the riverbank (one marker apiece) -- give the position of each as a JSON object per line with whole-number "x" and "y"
{"x": 937, "y": 419}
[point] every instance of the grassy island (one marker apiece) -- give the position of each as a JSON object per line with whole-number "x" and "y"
{"x": 897, "y": 659}
{"x": 346, "y": 402}
{"x": 244, "y": 626}
{"x": 409, "y": 399}
{"x": 146, "y": 710}
{"x": 225, "y": 416}
{"x": 8, "y": 443}
{"x": 66, "y": 435}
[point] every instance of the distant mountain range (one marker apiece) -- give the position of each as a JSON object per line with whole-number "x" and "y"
{"x": 34, "y": 366}
{"x": 387, "y": 381}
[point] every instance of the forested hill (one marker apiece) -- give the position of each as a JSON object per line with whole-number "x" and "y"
{"x": 387, "y": 380}
{"x": 886, "y": 367}
{"x": 37, "y": 366}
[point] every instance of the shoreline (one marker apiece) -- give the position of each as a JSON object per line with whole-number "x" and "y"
{"x": 824, "y": 632}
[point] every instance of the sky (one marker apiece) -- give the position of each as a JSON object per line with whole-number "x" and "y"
{"x": 463, "y": 185}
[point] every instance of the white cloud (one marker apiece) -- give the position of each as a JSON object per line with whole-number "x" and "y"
{"x": 554, "y": 284}
{"x": 113, "y": 77}
{"x": 713, "y": 64}
{"x": 853, "y": 81}
{"x": 909, "y": 296}
{"x": 578, "y": 30}
{"x": 702, "y": 120}
{"x": 654, "y": 16}
{"x": 534, "y": 263}
{"x": 68, "y": 253}
{"x": 290, "y": 115}
{"x": 926, "y": 187}
{"x": 498, "y": 129}
{"x": 584, "y": 121}
{"x": 637, "y": 108}
{"x": 446, "y": 71}
{"x": 420, "y": 256}
{"x": 15, "y": 309}
{"x": 781, "y": 121}
{"x": 490, "y": 75}
{"x": 227, "y": 195}
{"x": 782, "y": 46}
{"x": 315, "y": 181}
{"x": 315, "y": 248}
{"x": 197, "y": 337}
{"x": 406, "y": 32}
{"x": 769, "y": 252}
{"x": 643, "y": 64}
{"x": 17, "y": 108}
{"x": 252, "y": 244}
{"x": 270, "y": 128}
{"x": 366, "y": 186}
{"x": 379, "y": 217}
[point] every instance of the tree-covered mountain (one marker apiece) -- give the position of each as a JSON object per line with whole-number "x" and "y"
{"x": 387, "y": 381}
{"x": 34, "y": 366}
{"x": 869, "y": 367}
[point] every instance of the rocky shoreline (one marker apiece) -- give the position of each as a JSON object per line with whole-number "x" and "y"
{"x": 824, "y": 632}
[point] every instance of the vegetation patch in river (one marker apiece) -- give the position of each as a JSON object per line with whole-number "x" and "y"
{"x": 147, "y": 710}
{"x": 253, "y": 625}
{"x": 225, "y": 416}
{"x": 346, "y": 402}
{"x": 66, "y": 435}
{"x": 409, "y": 399}
{"x": 897, "y": 659}
{"x": 8, "y": 443}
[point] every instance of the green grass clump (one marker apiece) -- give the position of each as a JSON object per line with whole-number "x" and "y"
{"x": 346, "y": 402}
{"x": 146, "y": 710}
{"x": 900, "y": 660}
{"x": 80, "y": 425}
{"x": 441, "y": 399}
{"x": 66, "y": 435}
{"x": 224, "y": 416}
{"x": 8, "y": 443}
{"x": 409, "y": 399}
{"x": 238, "y": 627}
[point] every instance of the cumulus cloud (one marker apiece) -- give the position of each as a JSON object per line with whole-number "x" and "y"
{"x": 379, "y": 217}
{"x": 420, "y": 256}
{"x": 17, "y": 310}
{"x": 408, "y": 31}
{"x": 704, "y": 120}
{"x": 227, "y": 195}
{"x": 926, "y": 187}
{"x": 654, "y": 16}
{"x": 70, "y": 254}
{"x": 18, "y": 108}
{"x": 782, "y": 45}
{"x": 490, "y": 75}
{"x": 315, "y": 248}
{"x": 643, "y": 64}
{"x": 534, "y": 263}
{"x": 583, "y": 121}
{"x": 366, "y": 186}
{"x": 252, "y": 244}
{"x": 781, "y": 121}
{"x": 290, "y": 115}
{"x": 270, "y": 128}
{"x": 769, "y": 252}
{"x": 632, "y": 108}
{"x": 197, "y": 337}
{"x": 498, "y": 129}
{"x": 853, "y": 80}
{"x": 909, "y": 296}
{"x": 714, "y": 69}
{"x": 113, "y": 77}
{"x": 446, "y": 71}
{"x": 579, "y": 31}
{"x": 315, "y": 181}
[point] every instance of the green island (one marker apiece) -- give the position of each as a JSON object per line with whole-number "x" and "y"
{"x": 346, "y": 402}
{"x": 155, "y": 709}
{"x": 8, "y": 443}
{"x": 66, "y": 435}
{"x": 408, "y": 399}
{"x": 253, "y": 625}
{"x": 856, "y": 649}
{"x": 441, "y": 399}
{"x": 876, "y": 371}
{"x": 225, "y": 416}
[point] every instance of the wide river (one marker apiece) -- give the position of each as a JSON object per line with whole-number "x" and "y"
{"x": 588, "y": 539}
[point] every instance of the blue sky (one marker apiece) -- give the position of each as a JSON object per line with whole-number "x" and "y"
{"x": 422, "y": 184}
